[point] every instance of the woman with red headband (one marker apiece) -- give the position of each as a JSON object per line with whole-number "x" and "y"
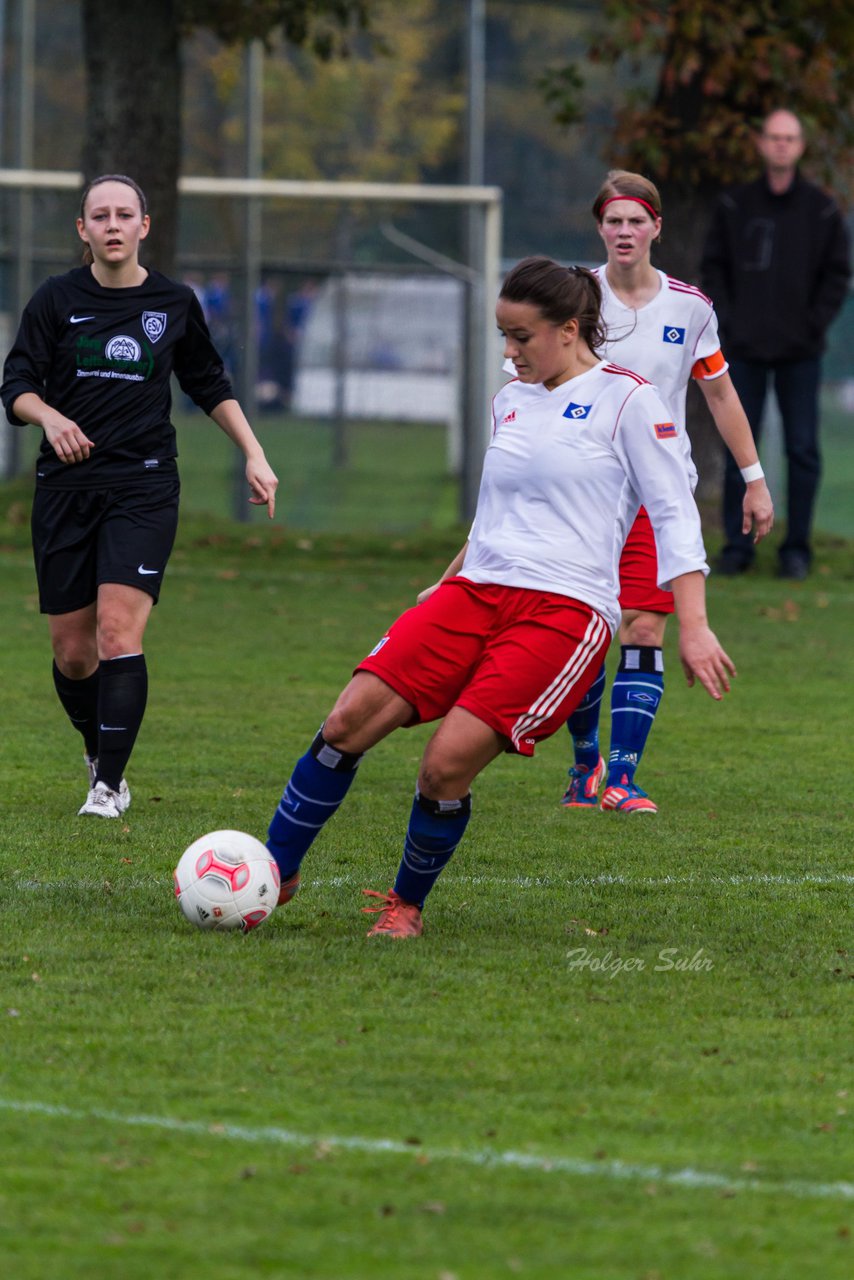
{"x": 666, "y": 331}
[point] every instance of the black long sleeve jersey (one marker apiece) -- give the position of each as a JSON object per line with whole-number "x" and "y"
{"x": 104, "y": 357}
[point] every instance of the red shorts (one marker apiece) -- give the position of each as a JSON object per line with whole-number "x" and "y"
{"x": 519, "y": 660}
{"x": 639, "y": 587}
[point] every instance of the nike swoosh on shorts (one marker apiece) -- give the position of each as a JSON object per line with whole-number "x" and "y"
{"x": 142, "y": 569}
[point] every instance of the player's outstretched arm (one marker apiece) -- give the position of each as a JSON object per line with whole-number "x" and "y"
{"x": 734, "y": 429}
{"x": 702, "y": 657}
{"x": 263, "y": 481}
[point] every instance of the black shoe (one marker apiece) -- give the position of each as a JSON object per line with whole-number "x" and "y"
{"x": 731, "y": 562}
{"x": 794, "y": 564}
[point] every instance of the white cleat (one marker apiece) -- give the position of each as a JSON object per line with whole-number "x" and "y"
{"x": 92, "y": 770}
{"x": 102, "y": 802}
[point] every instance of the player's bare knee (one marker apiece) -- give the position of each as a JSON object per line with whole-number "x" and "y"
{"x": 342, "y": 727}
{"x": 75, "y": 654}
{"x": 441, "y": 778}
{"x": 116, "y": 639}
{"x": 77, "y": 665}
{"x": 645, "y": 630}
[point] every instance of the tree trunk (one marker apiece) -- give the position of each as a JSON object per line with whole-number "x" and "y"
{"x": 133, "y": 116}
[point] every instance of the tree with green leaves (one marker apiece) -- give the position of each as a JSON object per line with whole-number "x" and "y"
{"x": 717, "y": 70}
{"x": 133, "y": 59}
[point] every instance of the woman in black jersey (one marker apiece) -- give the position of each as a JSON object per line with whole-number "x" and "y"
{"x": 91, "y": 366}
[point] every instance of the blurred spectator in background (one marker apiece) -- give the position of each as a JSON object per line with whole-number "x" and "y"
{"x": 216, "y": 304}
{"x": 776, "y": 265}
{"x": 272, "y": 357}
{"x": 298, "y": 307}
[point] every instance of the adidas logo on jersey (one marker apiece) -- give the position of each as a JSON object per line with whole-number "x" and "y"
{"x": 509, "y": 417}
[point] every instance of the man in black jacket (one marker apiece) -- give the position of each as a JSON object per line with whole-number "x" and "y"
{"x": 776, "y": 265}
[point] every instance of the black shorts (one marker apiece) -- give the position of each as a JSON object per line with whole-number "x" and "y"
{"x": 84, "y": 537}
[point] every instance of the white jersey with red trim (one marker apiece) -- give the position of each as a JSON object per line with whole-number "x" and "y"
{"x": 663, "y": 340}
{"x": 563, "y": 478}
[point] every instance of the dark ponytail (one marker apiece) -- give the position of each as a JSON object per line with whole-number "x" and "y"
{"x": 561, "y": 294}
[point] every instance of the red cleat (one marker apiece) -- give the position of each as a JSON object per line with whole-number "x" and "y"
{"x": 288, "y": 888}
{"x": 398, "y": 919}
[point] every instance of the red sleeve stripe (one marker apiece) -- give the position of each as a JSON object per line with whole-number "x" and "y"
{"x": 628, "y": 373}
{"x": 679, "y": 286}
{"x": 631, "y": 392}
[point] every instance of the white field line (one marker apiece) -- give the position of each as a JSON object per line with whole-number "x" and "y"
{"x": 603, "y": 880}
{"x": 615, "y": 1170}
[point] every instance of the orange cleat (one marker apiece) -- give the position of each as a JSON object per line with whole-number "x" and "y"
{"x": 288, "y": 888}
{"x": 398, "y": 919}
{"x": 584, "y": 784}
{"x": 628, "y": 799}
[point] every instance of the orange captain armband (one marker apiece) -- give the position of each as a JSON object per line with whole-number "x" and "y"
{"x": 709, "y": 367}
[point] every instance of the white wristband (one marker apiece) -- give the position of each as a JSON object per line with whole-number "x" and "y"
{"x": 753, "y": 472}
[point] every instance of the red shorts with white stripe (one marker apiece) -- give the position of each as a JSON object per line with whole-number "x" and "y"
{"x": 639, "y": 587}
{"x": 519, "y": 660}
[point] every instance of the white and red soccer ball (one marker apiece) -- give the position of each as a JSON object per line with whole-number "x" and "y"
{"x": 227, "y": 880}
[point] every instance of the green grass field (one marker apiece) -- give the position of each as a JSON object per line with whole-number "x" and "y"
{"x": 622, "y": 1049}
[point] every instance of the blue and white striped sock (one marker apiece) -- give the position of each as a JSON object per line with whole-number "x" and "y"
{"x": 317, "y": 786}
{"x": 583, "y": 724}
{"x": 635, "y": 698}
{"x": 435, "y": 829}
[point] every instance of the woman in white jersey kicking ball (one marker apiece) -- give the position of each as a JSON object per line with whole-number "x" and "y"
{"x": 507, "y": 644}
{"x": 666, "y": 331}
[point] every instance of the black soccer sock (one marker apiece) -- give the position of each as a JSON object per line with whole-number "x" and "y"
{"x": 121, "y": 706}
{"x": 80, "y": 700}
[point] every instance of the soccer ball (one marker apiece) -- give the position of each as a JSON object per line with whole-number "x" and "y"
{"x": 227, "y": 880}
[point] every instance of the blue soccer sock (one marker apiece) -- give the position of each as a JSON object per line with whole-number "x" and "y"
{"x": 583, "y": 724}
{"x": 635, "y": 697}
{"x": 435, "y": 829}
{"x": 319, "y": 782}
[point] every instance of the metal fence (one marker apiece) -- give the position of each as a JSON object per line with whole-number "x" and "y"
{"x": 346, "y": 302}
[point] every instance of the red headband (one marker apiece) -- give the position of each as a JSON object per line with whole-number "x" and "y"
{"x": 636, "y": 199}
